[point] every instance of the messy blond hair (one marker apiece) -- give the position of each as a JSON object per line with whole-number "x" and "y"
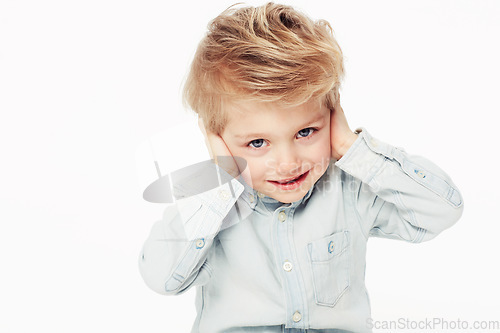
{"x": 270, "y": 53}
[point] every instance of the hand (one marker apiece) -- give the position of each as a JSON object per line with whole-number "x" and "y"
{"x": 222, "y": 156}
{"x": 341, "y": 136}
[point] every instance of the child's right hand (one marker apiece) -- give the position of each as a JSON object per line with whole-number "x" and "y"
{"x": 220, "y": 153}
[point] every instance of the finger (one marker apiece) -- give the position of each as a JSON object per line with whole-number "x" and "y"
{"x": 222, "y": 155}
{"x": 217, "y": 145}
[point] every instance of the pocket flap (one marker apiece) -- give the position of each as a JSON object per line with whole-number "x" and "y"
{"x": 326, "y": 248}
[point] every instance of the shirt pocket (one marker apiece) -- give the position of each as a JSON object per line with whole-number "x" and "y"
{"x": 329, "y": 258}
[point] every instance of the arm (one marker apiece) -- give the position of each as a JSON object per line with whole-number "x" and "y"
{"x": 173, "y": 257}
{"x": 396, "y": 195}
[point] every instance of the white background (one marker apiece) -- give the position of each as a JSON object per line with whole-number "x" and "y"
{"x": 84, "y": 84}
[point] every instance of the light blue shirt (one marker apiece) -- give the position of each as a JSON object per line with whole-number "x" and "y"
{"x": 260, "y": 265}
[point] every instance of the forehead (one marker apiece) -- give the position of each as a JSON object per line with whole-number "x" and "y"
{"x": 252, "y": 118}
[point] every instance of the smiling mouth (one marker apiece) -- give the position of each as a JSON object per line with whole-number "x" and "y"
{"x": 291, "y": 180}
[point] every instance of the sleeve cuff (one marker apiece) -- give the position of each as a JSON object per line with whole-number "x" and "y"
{"x": 202, "y": 214}
{"x": 365, "y": 157}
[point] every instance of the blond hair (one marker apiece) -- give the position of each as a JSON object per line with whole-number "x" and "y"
{"x": 270, "y": 53}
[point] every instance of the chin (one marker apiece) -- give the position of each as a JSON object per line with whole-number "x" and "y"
{"x": 288, "y": 197}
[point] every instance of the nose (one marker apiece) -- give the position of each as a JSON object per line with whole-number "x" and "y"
{"x": 288, "y": 162}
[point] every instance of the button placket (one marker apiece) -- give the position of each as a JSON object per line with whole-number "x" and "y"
{"x": 290, "y": 270}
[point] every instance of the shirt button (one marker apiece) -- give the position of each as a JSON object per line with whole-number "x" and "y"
{"x": 420, "y": 173}
{"x": 297, "y": 316}
{"x": 282, "y": 216}
{"x": 200, "y": 243}
{"x": 331, "y": 247}
{"x": 260, "y": 195}
{"x": 224, "y": 195}
{"x": 287, "y": 266}
{"x": 251, "y": 197}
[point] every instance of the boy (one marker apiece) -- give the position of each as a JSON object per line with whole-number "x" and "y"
{"x": 280, "y": 246}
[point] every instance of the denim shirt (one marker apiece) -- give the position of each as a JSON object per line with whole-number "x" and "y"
{"x": 260, "y": 265}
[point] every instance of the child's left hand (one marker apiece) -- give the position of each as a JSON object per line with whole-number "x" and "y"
{"x": 341, "y": 136}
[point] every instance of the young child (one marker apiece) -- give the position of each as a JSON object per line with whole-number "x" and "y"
{"x": 280, "y": 245}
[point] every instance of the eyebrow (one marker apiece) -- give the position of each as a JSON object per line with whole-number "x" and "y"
{"x": 253, "y": 135}
{"x": 248, "y": 136}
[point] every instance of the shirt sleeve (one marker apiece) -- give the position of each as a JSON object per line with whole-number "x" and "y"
{"x": 397, "y": 195}
{"x": 173, "y": 257}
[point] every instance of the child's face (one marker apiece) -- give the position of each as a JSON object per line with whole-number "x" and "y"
{"x": 280, "y": 144}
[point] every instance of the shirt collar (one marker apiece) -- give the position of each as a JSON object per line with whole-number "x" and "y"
{"x": 249, "y": 195}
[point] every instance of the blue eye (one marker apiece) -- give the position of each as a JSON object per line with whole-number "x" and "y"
{"x": 256, "y": 143}
{"x": 306, "y": 132}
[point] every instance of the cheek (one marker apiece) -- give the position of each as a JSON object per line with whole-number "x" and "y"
{"x": 257, "y": 166}
{"x": 258, "y": 169}
{"x": 241, "y": 162}
{"x": 321, "y": 152}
